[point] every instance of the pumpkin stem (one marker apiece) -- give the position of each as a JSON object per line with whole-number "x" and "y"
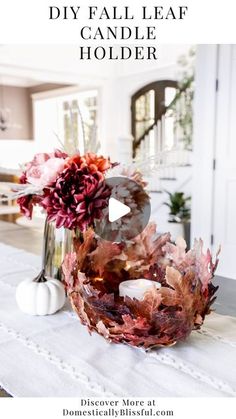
{"x": 41, "y": 277}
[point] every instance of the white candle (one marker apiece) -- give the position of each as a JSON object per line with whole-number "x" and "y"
{"x": 136, "y": 288}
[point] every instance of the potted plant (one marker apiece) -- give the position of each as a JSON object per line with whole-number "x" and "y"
{"x": 179, "y": 215}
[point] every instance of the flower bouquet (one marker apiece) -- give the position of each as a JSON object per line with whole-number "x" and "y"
{"x": 71, "y": 190}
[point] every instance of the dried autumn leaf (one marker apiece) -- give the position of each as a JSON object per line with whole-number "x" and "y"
{"x": 78, "y": 304}
{"x": 104, "y": 253}
{"x": 176, "y": 252}
{"x": 170, "y": 297}
{"x": 83, "y": 246}
{"x": 185, "y": 292}
{"x": 173, "y": 278}
{"x": 202, "y": 263}
{"x": 148, "y": 245}
{"x": 68, "y": 267}
{"x": 148, "y": 306}
{"x": 195, "y": 259}
{"x": 102, "y": 330}
{"x": 213, "y": 265}
{"x": 156, "y": 273}
{"x": 132, "y": 330}
{"x": 145, "y": 250}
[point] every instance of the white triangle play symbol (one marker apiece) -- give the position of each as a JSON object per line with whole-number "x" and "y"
{"x": 117, "y": 210}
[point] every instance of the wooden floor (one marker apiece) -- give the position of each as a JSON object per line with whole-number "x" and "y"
{"x": 31, "y": 240}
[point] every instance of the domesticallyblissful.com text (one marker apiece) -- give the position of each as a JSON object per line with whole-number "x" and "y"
{"x": 117, "y": 408}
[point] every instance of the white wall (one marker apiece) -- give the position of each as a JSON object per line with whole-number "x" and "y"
{"x": 204, "y": 140}
{"x": 224, "y": 196}
{"x": 14, "y": 153}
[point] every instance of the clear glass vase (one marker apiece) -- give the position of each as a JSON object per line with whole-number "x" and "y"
{"x": 57, "y": 242}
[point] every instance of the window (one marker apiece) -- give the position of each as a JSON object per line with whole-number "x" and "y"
{"x": 148, "y": 106}
{"x": 68, "y": 119}
{"x": 80, "y": 121}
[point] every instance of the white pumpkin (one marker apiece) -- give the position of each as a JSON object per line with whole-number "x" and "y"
{"x": 40, "y": 296}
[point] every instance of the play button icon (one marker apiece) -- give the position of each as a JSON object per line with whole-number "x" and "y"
{"x": 128, "y": 210}
{"x": 117, "y": 210}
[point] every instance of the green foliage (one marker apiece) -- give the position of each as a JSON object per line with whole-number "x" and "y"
{"x": 179, "y": 210}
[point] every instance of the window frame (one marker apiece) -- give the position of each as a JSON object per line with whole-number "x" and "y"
{"x": 158, "y": 87}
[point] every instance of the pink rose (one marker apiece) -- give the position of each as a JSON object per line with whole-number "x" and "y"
{"x": 34, "y": 175}
{"x": 41, "y": 158}
{"x": 51, "y": 169}
{"x": 45, "y": 174}
{"x": 38, "y": 159}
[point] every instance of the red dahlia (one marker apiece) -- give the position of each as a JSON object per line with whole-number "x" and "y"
{"x": 77, "y": 198}
{"x": 92, "y": 161}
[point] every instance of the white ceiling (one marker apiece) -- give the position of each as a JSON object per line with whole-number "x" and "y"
{"x": 29, "y": 65}
{"x": 8, "y": 80}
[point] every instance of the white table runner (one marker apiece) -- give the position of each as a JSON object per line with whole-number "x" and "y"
{"x": 55, "y": 356}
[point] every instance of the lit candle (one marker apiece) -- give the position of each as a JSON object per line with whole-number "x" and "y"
{"x": 136, "y": 288}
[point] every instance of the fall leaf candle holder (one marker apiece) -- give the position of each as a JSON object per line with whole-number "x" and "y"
{"x": 167, "y": 313}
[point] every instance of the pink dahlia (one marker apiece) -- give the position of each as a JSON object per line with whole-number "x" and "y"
{"x": 77, "y": 198}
